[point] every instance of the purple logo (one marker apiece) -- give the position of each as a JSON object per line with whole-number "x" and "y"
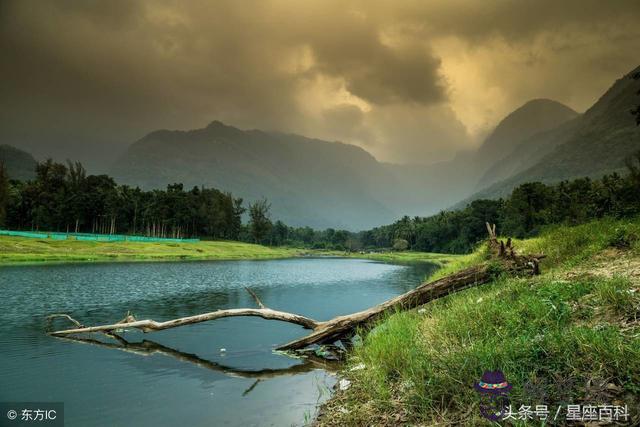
{"x": 493, "y": 389}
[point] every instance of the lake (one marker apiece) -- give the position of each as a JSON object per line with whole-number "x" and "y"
{"x": 180, "y": 376}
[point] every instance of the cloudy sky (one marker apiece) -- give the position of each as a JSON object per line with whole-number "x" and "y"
{"x": 409, "y": 81}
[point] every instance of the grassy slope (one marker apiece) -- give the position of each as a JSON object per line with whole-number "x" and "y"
{"x": 21, "y": 250}
{"x": 578, "y": 321}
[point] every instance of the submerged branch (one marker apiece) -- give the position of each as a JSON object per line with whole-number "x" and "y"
{"x": 255, "y": 297}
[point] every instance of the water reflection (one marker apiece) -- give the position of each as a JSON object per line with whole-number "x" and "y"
{"x": 147, "y": 347}
{"x": 181, "y": 377}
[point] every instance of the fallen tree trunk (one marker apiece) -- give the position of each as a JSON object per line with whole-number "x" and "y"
{"x": 502, "y": 258}
{"x": 341, "y": 326}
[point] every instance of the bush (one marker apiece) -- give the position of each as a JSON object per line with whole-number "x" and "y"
{"x": 400, "y": 245}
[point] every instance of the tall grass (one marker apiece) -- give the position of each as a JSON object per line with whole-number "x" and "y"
{"x": 549, "y": 335}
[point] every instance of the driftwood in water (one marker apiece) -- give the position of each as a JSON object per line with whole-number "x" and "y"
{"x": 502, "y": 256}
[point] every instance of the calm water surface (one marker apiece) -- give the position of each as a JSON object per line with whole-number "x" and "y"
{"x": 180, "y": 376}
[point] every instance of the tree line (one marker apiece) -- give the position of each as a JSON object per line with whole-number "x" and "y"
{"x": 64, "y": 198}
{"x": 530, "y": 207}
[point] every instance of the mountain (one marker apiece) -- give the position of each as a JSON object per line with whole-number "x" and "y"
{"x": 440, "y": 185}
{"x": 308, "y": 181}
{"x": 593, "y": 144}
{"x": 319, "y": 183}
{"x": 514, "y": 132}
{"x": 20, "y": 164}
{"x": 527, "y": 153}
{"x": 331, "y": 184}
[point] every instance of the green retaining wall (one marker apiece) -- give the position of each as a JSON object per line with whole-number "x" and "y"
{"x": 91, "y": 237}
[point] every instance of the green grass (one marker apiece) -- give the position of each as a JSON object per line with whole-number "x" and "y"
{"x": 397, "y": 257}
{"x": 26, "y": 250}
{"x": 551, "y": 335}
{"x": 14, "y": 250}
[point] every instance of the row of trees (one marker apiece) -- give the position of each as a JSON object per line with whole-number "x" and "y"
{"x": 65, "y": 198}
{"x": 530, "y": 207}
{"x": 279, "y": 234}
{"x": 4, "y": 193}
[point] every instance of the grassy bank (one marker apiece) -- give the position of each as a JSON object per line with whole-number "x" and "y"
{"x": 571, "y": 335}
{"x": 396, "y": 257}
{"x": 14, "y": 250}
{"x": 26, "y": 250}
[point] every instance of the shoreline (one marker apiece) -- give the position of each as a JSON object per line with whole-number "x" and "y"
{"x": 123, "y": 260}
{"x": 575, "y": 320}
{"x": 23, "y": 251}
{"x": 29, "y": 251}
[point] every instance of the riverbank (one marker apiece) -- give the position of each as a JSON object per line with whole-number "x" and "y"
{"x": 568, "y": 336}
{"x": 396, "y": 257}
{"x": 21, "y": 250}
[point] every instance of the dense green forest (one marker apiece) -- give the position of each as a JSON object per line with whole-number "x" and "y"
{"x": 65, "y": 198}
{"x": 529, "y": 207}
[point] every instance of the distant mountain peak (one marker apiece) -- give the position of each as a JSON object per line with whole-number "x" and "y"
{"x": 217, "y": 124}
{"x": 309, "y": 181}
{"x": 534, "y": 116}
{"x": 592, "y": 144}
{"x": 544, "y": 102}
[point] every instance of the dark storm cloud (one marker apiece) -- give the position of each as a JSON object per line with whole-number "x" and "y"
{"x": 402, "y": 78}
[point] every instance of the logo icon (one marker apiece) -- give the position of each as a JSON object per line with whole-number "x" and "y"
{"x": 493, "y": 389}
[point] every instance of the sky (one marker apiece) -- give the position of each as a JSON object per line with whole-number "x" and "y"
{"x": 409, "y": 81}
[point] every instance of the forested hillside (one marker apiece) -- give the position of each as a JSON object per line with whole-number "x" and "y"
{"x": 530, "y": 207}
{"x": 309, "y": 182}
{"x": 594, "y": 144}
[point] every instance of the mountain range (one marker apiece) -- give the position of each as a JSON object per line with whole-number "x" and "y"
{"x": 307, "y": 181}
{"x": 592, "y": 144}
{"x": 331, "y": 184}
{"x": 444, "y": 184}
